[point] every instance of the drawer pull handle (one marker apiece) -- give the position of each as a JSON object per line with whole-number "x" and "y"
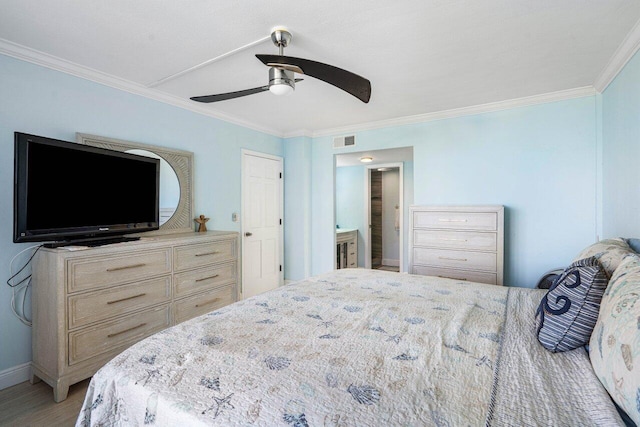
{"x": 126, "y": 267}
{"x": 207, "y": 278}
{"x": 126, "y": 330}
{"x": 208, "y": 302}
{"x": 451, "y": 220}
{"x": 454, "y": 278}
{"x": 208, "y": 253}
{"x": 352, "y": 253}
{"x": 452, "y": 259}
{"x": 453, "y": 240}
{"x": 127, "y": 298}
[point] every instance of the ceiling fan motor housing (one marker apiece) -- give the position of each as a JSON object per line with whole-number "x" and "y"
{"x": 278, "y": 76}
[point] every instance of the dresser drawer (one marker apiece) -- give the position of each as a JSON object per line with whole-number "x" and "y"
{"x": 455, "y": 259}
{"x": 115, "y": 301}
{"x": 205, "y": 302}
{"x": 112, "y": 337}
{"x": 193, "y": 256}
{"x": 464, "y": 275}
{"x": 188, "y": 282}
{"x": 92, "y": 273}
{"x": 447, "y": 239}
{"x": 456, "y": 220}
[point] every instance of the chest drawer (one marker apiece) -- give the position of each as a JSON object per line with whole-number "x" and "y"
{"x": 456, "y": 239}
{"x": 483, "y": 261}
{"x": 112, "y": 337}
{"x": 487, "y": 221}
{"x": 199, "y": 255}
{"x": 188, "y": 282}
{"x": 92, "y": 273}
{"x": 205, "y": 302}
{"x": 92, "y": 307}
{"x": 464, "y": 275}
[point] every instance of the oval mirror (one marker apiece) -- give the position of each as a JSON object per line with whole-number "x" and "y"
{"x": 169, "y": 185}
{"x": 176, "y": 185}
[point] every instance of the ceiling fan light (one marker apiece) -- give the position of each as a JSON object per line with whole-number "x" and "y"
{"x": 280, "y": 89}
{"x": 281, "y": 82}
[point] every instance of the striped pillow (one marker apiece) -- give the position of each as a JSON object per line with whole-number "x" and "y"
{"x": 569, "y": 311}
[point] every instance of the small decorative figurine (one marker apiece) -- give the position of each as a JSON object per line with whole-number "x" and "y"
{"x": 202, "y": 227}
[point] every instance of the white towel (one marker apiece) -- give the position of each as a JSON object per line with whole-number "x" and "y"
{"x": 397, "y": 218}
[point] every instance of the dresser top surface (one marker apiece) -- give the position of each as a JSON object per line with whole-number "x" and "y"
{"x": 457, "y": 208}
{"x": 160, "y": 239}
{"x": 345, "y": 230}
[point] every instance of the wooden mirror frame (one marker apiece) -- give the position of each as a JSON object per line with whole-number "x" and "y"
{"x": 182, "y": 163}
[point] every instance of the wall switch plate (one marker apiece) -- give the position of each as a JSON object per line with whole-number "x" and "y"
{"x": 234, "y": 217}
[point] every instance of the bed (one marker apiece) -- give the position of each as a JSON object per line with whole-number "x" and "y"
{"x": 355, "y": 347}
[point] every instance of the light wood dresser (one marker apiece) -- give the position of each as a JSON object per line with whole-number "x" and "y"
{"x": 347, "y": 248}
{"x": 92, "y": 303}
{"x": 458, "y": 242}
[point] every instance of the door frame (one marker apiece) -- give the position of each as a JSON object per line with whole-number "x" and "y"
{"x": 245, "y": 152}
{"x": 367, "y": 212}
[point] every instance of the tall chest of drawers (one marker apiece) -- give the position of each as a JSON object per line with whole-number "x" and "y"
{"x": 90, "y": 304}
{"x": 458, "y": 242}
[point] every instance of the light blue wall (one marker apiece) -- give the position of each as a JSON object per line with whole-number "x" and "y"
{"x": 537, "y": 161}
{"x": 621, "y": 157}
{"x": 297, "y": 208}
{"x": 40, "y": 101}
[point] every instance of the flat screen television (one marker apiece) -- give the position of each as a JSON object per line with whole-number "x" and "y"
{"x": 69, "y": 193}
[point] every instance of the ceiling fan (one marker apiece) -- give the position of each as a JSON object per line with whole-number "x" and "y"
{"x": 282, "y": 69}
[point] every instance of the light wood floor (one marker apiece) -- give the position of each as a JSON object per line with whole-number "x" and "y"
{"x": 387, "y": 268}
{"x": 27, "y": 405}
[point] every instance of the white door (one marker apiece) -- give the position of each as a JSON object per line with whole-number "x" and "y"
{"x": 262, "y": 208}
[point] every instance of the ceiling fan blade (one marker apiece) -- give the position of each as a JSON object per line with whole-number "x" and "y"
{"x": 342, "y": 79}
{"x": 229, "y": 95}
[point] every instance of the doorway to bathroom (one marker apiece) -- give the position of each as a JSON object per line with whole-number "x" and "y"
{"x": 354, "y": 221}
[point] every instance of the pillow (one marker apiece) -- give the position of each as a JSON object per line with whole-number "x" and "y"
{"x": 568, "y": 312}
{"x": 608, "y": 251}
{"x": 615, "y": 342}
{"x": 634, "y": 244}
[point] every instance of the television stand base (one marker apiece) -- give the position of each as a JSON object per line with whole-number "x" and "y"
{"x": 92, "y": 241}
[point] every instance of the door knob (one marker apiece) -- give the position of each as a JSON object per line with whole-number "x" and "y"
{"x": 248, "y": 234}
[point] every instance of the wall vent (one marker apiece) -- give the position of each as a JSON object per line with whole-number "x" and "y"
{"x": 344, "y": 141}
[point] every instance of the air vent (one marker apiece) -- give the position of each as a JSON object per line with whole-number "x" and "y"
{"x": 344, "y": 141}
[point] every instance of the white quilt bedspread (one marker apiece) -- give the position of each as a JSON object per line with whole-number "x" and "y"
{"x": 353, "y": 348}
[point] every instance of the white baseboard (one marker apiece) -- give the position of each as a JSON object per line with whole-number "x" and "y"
{"x": 16, "y": 375}
{"x": 391, "y": 262}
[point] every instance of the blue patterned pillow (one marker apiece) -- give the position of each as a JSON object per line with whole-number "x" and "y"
{"x": 569, "y": 311}
{"x": 615, "y": 340}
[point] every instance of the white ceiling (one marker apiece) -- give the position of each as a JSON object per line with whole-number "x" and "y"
{"x": 421, "y": 56}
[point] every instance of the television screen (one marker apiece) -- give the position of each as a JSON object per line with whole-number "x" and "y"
{"x": 66, "y": 191}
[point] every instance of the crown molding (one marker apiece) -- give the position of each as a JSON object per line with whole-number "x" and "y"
{"x": 33, "y": 56}
{"x": 459, "y": 112}
{"x": 622, "y": 55}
